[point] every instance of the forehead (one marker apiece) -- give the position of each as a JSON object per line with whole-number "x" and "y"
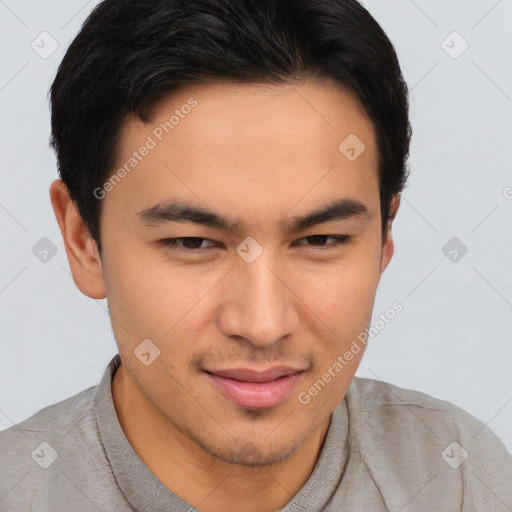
{"x": 231, "y": 115}
{"x": 237, "y": 141}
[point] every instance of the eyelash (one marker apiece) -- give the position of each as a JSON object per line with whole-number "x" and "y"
{"x": 172, "y": 242}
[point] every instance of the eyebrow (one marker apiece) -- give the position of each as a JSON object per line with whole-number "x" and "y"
{"x": 179, "y": 211}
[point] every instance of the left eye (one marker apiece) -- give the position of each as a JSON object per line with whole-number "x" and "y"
{"x": 194, "y": 243}
{"x": 339, "y": 239}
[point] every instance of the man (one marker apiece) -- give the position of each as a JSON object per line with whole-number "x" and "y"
{"x": 230, "y": 172}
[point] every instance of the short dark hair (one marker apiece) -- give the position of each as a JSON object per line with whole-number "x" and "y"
{"x": 131, "y": 53}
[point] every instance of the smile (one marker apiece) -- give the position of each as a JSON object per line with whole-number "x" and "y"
{"x": 255, "y": 390}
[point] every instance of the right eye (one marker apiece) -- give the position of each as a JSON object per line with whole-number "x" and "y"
{"x": 187, "y": 244}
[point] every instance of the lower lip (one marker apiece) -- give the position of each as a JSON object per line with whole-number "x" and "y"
{"x": 256, "y": 395}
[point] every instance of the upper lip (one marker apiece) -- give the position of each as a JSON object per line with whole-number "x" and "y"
{"x": 251, "y": 375}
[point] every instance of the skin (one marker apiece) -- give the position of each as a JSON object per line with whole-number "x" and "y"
{"x": 256, "y": 154}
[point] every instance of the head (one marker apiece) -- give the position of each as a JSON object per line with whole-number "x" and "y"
{"x": 242, "y": 130}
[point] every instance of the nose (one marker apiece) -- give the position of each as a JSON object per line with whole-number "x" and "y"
{"x": 259, "y": 302}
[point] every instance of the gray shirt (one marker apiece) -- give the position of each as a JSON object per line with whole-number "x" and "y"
{"x": 387, "y": 449}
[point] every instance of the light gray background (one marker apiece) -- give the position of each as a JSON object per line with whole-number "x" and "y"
{"x": 453, "y": 338}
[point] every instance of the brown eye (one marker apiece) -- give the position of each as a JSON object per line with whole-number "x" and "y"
{"x": 190, "y": 243}
{"x": 316, "y": 240}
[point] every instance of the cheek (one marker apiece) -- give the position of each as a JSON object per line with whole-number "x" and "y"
{"x": 140, "y": 296}
{"x": 345, "y": 306}
{"x": 343, "y": 296}
{"x": 343, "y": 301}
{"x": 155, "y": 300}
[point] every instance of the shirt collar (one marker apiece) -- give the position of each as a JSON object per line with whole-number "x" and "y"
{"x": 144, "y": 491}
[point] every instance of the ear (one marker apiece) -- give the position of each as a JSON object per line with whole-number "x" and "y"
{"x": 81, "y": 249}
{"x": 388, "y": 246}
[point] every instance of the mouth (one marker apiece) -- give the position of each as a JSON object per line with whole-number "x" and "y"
{"x": 255, "y": 390}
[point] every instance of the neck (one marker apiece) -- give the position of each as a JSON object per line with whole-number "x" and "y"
{"x": 197, "y": 477}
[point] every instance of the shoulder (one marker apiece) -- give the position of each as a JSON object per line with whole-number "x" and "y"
{"x": 40, "y": 441}
{"x": 56, "y": 416}
{"x": 415, "y": 439}
{"x": 59, "y": 418}
{"x": 416, "y": 414}
{"x": 386, "y": 402}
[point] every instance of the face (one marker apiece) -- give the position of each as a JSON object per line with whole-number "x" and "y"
{"x": 248, "y": 303}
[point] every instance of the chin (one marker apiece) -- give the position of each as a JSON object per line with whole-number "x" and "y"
{"x": 248, "y": 450}
{"x": 249, "y": 455}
